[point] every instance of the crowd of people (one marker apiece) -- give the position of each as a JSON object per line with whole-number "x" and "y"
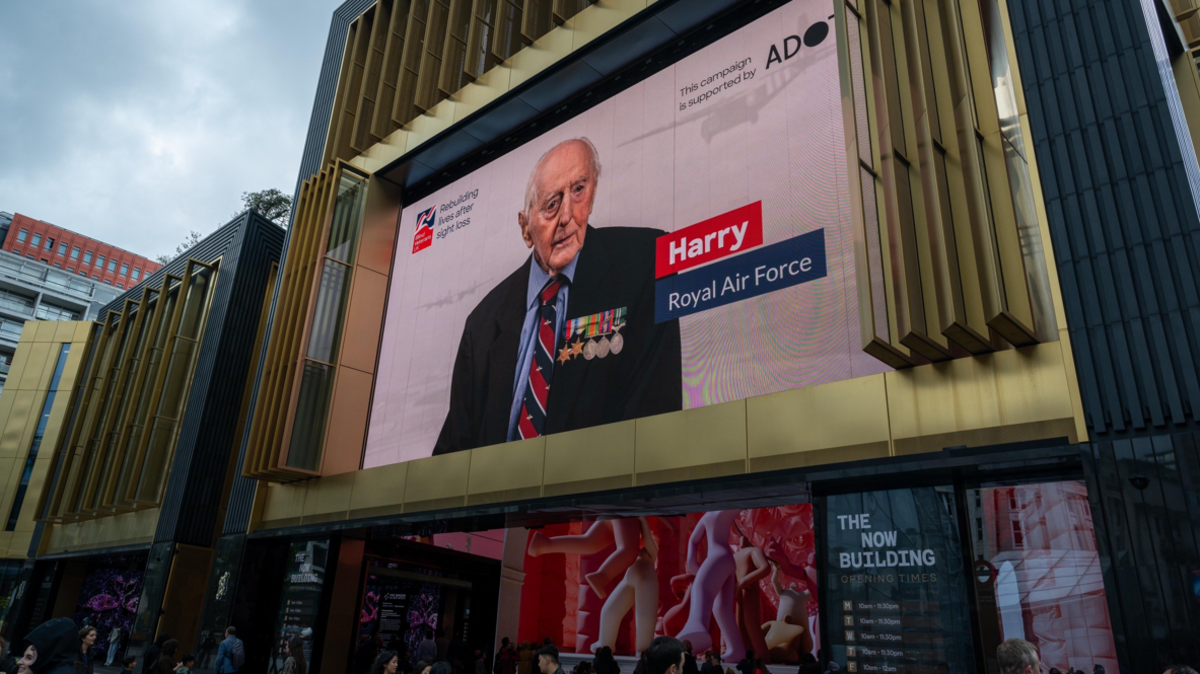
{"x": 59, "y": 647}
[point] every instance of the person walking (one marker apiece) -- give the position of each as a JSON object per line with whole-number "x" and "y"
{"x": 154, "y": 650}
{"x": 186, "y": 663}
{"x": 166, "y": 660}
{"x": 295, "y": 663}
{"x": 1017, "y": 656}
{"x": 51, "y": 648}
{"x": 231, "y": 654}
{"x": 8, "y": 664}
{"x": 505, "y": 662}
{"x": 114, "y": 645}
{"x": 427, "y": 650}
{"x": 387, "y": 663}
{"x": 87, "y": 639}
{"x": 689, "y": 660}
{"x": 604, "y": 662}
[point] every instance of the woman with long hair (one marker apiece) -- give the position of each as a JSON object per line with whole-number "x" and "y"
{"x": 87, "y": 639}
{"x": 294, "y": 650}
{"x": 387, "y": 663}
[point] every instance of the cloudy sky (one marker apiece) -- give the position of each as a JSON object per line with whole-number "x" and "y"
{"x": 136, "y": 121}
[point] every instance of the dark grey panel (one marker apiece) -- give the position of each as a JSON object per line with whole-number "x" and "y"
{"x": 192, "y": 499}
{"x": 1121, "y": 211}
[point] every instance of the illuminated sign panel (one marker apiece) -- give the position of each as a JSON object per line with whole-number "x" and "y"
{"x": 683, "y": 243}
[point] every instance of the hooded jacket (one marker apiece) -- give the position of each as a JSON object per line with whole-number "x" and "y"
{"x": 57, "y": 644}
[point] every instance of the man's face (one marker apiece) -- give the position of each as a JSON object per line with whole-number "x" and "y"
{"x": 555, "y": 223}
{"x": 25, "y": 664}
{"x": 546, "y": 665}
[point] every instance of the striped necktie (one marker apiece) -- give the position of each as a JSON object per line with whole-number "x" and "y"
{"x": 532, "y": 422}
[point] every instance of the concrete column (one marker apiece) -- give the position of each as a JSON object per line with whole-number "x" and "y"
{"x": 512, "y": 578}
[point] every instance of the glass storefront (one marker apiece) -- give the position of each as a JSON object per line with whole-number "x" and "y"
{"x": 918, "y": 580}
{"x": 1037, "y": 573}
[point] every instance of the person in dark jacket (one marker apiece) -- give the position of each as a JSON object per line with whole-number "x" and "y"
{"x": 51, "y": 648}
{"x": 166, "y": 661}
{"x": 87, "y": 639}
{"x": 8, "y": 663}
{"x": 154, "y": 650}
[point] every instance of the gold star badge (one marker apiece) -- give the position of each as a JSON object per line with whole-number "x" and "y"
{"x": 564, "y": 354}
{"x": 577, "y": 348}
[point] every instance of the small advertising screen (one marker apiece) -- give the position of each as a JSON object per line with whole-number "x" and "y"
{"x": 896, "y": 585}
{"x": 684, "y": 243}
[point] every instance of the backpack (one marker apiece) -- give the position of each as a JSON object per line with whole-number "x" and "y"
{"x": 239, "y": 654}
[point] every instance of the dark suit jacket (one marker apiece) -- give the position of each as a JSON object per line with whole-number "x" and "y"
{"x": 615, "y": 269}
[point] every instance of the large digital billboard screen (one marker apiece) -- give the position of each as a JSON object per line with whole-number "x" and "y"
{"x": 686, "y": 242}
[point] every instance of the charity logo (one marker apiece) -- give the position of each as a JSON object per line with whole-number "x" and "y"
{"x": 423, "y": 237}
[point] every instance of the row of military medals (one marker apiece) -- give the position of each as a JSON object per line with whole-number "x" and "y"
{"x": 594, "y": 336}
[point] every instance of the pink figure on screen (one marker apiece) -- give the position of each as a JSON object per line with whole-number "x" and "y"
{"x": 714, "y": 588}
{"x": 625, "y": 534}
{"x": 637, "y": 590}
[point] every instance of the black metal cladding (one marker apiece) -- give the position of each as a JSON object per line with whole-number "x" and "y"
{"x": 241, "y": 500}
{"x": 1122, "y": 217}
{"x": 322, "y": 112}
{"x": 1148, "y": 541}
{"x": 246, "y": 247}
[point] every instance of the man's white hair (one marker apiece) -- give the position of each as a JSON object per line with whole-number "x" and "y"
{"x": 531, "y": 186}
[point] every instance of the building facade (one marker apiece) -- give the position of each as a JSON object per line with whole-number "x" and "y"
{"x": 1007, "y": 193}
{"x": 853, "y": 331}
{"x": 75, "y": 253}
{"x": 122, "y": 452}
{"x": 35, "y": 291}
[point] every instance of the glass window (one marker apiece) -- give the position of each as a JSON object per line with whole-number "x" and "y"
{"x": 56, "y": 264}
{"x": 21, "y": 235}
{"x": 49, "y": 243}
{"x": 136, "y": 273}
{"x": 96, "y": 278}
{"x": 50, "y": 312}
{"x": 100, "y": 261}
{"x": 83, "y": 272}
{"x": 87, "y": 257}
{"x": 29, "y": 255}
{"x": 75, "y": 253}
{"x": 37, "y": 239}
{"x": 1038, "y": 574}
{"x": 120, "y": 286}
{"x": 124, "y": 269}
{"x": 17, "y": 251}
{"x": 38, "y": 434}
{"x": 70, "y": 269}
{"x": 62, "y": 249}
{"x": 107, "y": 282}
{"x": 112, "y": 265}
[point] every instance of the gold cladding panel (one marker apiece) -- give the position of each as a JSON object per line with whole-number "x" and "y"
{"x": 589, "y": 459}
{"x": 715, "y": 438}
{"x": 437, "y": 482}
{"x": 508, "y": 472}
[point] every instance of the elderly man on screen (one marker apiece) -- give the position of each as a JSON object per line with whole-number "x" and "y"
{"x": 568, "y": 340}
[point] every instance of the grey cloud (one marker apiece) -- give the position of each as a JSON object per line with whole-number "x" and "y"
{"x": 137, "y": 121}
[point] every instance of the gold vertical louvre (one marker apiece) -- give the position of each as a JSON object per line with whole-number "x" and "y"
{"x": 948, "y": 254}
{"x": 324, "y": 241}
{"x": 131, "y": 401}
{"x": 403, "y": 57}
